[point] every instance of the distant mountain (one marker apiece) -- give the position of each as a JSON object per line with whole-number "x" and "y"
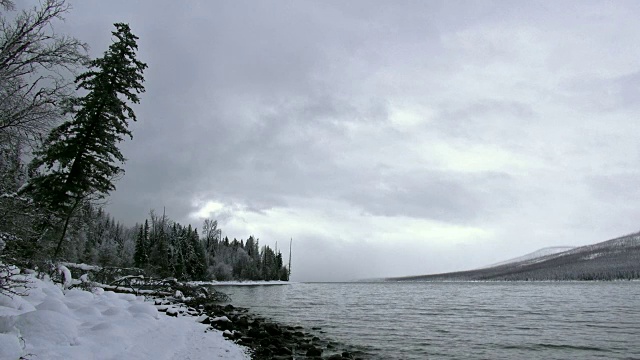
{"x": 536, "y": 254}
{"x": 609, "y": 260}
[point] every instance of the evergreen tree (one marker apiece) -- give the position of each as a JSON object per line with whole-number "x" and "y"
{"x": 146, "y": 236}
{"x": 160, "y": 255}
{"x": 176, "y": 260}
{"x": 178, "y": 251}
{"x": 140, "y": 255}
{"x": 142, "y": 248}
{"x": 79, "y": 156}
{"x": 199, "y": 260}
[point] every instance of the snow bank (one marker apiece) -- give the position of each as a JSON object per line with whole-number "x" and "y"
{"x": 84, "y": 267}
{"x": 48, "y": 323}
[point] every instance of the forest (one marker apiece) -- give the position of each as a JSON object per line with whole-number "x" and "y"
{"x": 62, "y": 117}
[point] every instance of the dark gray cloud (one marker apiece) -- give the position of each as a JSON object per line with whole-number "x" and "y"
{"x": 476, "y": 130}
{"x": 449, "y": 197}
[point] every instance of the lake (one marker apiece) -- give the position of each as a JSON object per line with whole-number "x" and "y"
{"x": 461, "y": 320}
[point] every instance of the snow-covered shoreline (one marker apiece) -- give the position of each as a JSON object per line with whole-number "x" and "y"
{"x": 49, "y": 323}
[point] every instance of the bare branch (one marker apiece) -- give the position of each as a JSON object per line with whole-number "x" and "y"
{"x": 37, "y": 67}
{"x": 7, "y": 5}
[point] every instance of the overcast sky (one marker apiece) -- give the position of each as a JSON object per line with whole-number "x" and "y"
{"x": 386, "y": 138}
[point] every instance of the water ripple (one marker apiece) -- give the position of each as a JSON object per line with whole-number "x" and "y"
{"x": 462, "y": 320}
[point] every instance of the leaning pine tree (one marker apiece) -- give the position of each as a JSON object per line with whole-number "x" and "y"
{"x": 77, "y": 161}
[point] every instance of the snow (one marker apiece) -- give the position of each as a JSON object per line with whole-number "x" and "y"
{"x": 536, "y": 255}
{"x": 592, "y": 256}
{"x": 49, "y": 323}
{"x": 10, "y": 347}
{"x": 178, "y": 295}
{"x": 66, "y": 275}
{"x": 220, "y": 318}
{"x": 84, "y": 267}
{"x": 173, "y": 311}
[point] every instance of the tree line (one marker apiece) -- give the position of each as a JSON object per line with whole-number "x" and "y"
{"x": 167, "y": 248}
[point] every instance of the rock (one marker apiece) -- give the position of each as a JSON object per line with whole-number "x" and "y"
{"x": 274, "y": 341}
{"x": 269, "y": 340}
{"x": 305, "y": 346}
{"x": 203, "y": 319}
{"x": 283, "y": 351}
{"x": 314, "y": 351}
{"x": 242, "y": 321}
{"x": 272, "y": 329}
{"x": 222, "y": 325}
{"x": 265, "y": 352}
{"x": 282, "y": 357}
{"x": 253, "y": 332}
{"x": 247, "y": 340}
{"x": 264, "y": 342}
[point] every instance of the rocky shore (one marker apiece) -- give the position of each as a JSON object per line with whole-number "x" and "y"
{"x": 266, "y": 339}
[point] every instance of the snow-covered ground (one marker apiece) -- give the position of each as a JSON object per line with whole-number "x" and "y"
{"x": 49, "y": 323}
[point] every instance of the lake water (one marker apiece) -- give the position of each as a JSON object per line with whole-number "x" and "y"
{"x": 461, "y": 320}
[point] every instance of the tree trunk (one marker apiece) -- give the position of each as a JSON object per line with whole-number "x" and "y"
{"x": 64, "y": 228}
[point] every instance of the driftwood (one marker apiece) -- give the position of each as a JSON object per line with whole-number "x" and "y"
{"x": 133, "y": 281}
{"x": 101, "y": 274}
{"x": 140, "y": 285}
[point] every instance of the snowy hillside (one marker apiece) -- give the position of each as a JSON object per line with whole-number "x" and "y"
{"x": 608, "y": 260}
{"x": 534, "y": 255}
{"x": 75, "y": 324}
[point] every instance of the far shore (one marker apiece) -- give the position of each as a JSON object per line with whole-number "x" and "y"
{"x": 240, "y": 283}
